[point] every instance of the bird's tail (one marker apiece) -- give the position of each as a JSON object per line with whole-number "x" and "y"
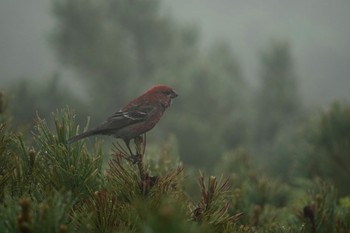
{"x": 81, "y": 136}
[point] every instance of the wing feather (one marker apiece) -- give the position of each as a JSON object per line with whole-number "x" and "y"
{"x": 122, "y": 119}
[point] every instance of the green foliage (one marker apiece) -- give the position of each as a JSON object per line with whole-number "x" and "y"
{"x": 262, "y": 199}
{"x": 32, "y": 215}
{"x": 71, "y": 167}
{"x": 268, "y": 205}
{"x": 332, "y": 141}
{"x": 7, "y": 165}
{"x": 17, "y": 165}
{"x": 317, "y": 148}
{"x": 51, "y": 186}
{"x": 213, "y": 205}
{"x": 64, "y": 188}
{"x": 3, "y": 106}
{"x": 321, "y": 211}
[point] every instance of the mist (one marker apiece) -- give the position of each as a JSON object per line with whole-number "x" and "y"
{"x": 316, "y": 30}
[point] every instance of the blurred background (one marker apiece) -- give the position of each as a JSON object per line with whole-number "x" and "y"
{"x": 270, "y": 78}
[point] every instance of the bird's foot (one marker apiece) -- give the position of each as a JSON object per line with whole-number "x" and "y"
{"x": 134, "y": 158}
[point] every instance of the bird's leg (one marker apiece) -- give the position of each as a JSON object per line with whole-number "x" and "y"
{"x": 133, "y": 158}
{"x": 139, "y": 143}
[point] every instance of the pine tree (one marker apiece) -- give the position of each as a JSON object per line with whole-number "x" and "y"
{"x": 277, "y": 99}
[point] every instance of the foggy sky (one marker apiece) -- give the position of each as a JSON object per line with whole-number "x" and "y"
{"x": 318, "y": 32}
{"x": 24, "y": 29}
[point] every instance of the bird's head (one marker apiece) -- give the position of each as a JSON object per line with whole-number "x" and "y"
{"x": 162, "y": 93}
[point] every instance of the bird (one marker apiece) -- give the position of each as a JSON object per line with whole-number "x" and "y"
{"x": 136, "y": 118}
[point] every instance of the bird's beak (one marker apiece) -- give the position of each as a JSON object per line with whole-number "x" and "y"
{"x": 173, "y": 95}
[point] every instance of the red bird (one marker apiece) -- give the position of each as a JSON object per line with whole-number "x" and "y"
{"x": 136, "y": 118}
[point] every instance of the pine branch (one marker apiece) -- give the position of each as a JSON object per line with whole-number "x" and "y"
{"x": 63, "y": 166}
{"x": 213, "y": 206}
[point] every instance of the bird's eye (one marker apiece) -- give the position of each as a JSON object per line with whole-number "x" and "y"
{"x": 167, "y": 92}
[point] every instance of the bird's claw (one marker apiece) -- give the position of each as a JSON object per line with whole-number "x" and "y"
{"x": 134, "y": 158}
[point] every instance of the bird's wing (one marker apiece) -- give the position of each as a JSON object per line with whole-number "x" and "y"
{"x": 122, "y": 118}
